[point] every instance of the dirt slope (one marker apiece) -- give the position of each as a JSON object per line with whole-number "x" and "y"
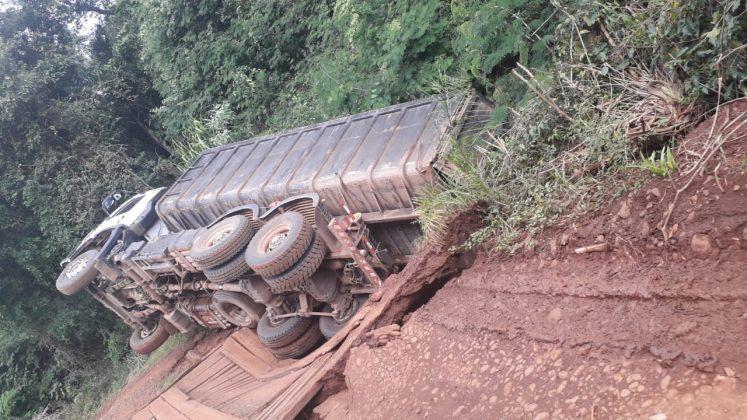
{"x": 148, "y": 385}
{"x": 648, "y": 326}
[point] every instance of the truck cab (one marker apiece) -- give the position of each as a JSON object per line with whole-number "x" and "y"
{"x": 137, "y": 214}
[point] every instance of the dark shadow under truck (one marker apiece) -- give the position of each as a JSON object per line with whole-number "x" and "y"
{"x": 287, "y": 233}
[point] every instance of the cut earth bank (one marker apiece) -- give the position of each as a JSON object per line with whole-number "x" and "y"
{"x": 646, "y": 326}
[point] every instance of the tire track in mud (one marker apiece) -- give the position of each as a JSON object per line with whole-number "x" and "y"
{"x": 702, "y": 334}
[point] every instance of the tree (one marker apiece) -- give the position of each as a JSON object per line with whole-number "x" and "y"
{"x": 67, "y": 138}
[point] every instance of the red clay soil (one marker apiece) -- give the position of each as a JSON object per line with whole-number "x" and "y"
{"x": 644, "y": 326}
{"x": 142, "y": 389}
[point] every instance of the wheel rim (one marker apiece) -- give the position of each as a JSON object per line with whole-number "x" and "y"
{"x": 218, "y": 236}
{"x": 273, "y": 239}
{"x": 145, "y": 333}
{"x": 352, "y": 310}
{"x": 76, "y": 267}
{"x": 237, "y": 313}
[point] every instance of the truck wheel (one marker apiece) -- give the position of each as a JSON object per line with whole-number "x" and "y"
{"x": 279, "y": 244}
{"x": 302, "y": 345}
{"x": 330, "y": 326}
{"x": 237, "y": 308}
{"x": 78, "y": 273}
{"x": 296, "y": 277}
{"x": 146, "y": 341}
{"x": 222, "y": 241}
{"x": 229, "y": 271}
{"x": 283, "y": 332}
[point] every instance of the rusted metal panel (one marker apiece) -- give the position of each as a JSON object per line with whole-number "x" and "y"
{"x": 375, "y": 162}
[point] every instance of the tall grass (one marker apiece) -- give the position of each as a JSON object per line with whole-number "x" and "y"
{"x": 203, "y": 134}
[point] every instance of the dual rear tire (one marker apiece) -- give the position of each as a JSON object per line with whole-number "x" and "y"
{"x": 217, "y": 251}
{"x": 286, "y": 252}
{"x": 290, "y": 337}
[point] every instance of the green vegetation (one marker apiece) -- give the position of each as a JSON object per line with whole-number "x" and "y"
{"x": 622, "y": 78}
{"x": 662, "y": 166}
{"x": 581, "y": 89}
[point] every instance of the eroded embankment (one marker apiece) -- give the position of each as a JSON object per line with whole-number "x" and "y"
{"x": 652, "y": 322}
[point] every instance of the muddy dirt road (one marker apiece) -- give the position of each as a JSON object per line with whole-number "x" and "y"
{"x": 652, "y": 324}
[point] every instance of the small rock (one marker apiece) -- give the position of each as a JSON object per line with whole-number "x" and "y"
{"x": 664, "y": 384}
{"x": 624, "y": 393}
{"x": 706, "y": 192}
{"x": 624, "y": 212}
{"x": 690, "y": 217}
{"x": 458, "y": 411}
{"x": 564, "y": 239}
{"x": 701, "y": 244}
{"x": 658, "y": 416}
{"x": 542, "y": 416}
{"x": 530, "y": 407}
{"x": 634, "y": 377}
{"x": 655, "y": 192}
{"x": 736, "y": 188}
{"x": 645, "y": 229}
{"x": 555, "y": 314}
{"x": 684, "y": 328}
{"x": 729, "y": 372}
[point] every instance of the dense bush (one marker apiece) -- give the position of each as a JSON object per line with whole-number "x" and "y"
{"x": 623, "y": 77}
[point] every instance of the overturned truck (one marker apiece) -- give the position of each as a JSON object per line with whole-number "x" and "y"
{"x": 287, "y": 233}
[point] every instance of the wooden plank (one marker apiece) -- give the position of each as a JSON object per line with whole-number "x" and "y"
{"x": 193, "y": 409}
{"x": 250, "y": 341}
{"x": 252, "y": 401}
{"x": 292, "y": 400}
{"x": 221, "y": 368}
{"x": 248, "y": 361}
{"x": 210, "y": 364}
{"x": 143, "y": 414}
{"x": 215, "y": 390}
{"x": 197, "y": 375}
{"x": 163, "y": 410}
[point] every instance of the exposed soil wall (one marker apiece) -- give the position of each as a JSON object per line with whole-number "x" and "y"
{"x": 639, "y": 309}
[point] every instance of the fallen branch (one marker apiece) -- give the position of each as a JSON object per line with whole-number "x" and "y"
{"x": 592, "y": 248}
{"x": 539, "y": 93}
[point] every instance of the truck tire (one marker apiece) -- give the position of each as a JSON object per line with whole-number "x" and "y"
{"x": 279, "y": 244}
{"x": 145, "y": 342}
{"x": 78, "y": 273}
{"x": 296, "y": 277}
{"x": 330, "y": 326}
{"x": 229, "y": 271}
{"x": 237, "y": 308}
{"x": 222, "y": 241}
{"x": 305, "y": 343}
{"x": 283, "y": 333}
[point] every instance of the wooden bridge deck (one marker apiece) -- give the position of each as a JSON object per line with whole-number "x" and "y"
{"x": 239, "y": 379}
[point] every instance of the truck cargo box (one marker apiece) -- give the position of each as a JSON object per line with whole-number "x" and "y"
{"x": 374, "y": 162}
